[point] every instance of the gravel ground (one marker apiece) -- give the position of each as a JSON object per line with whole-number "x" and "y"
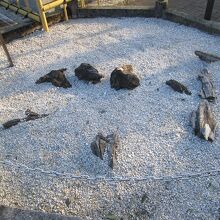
{"x": 152, "y": 120}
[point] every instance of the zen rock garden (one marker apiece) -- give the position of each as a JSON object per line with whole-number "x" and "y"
{"x": 112, "y": 118}
{"x": 202, "y": 120}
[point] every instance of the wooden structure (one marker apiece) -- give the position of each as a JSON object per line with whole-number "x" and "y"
{"x": 209, "y": 9}
{"x": 43, "y": 8}
{"x": 6, "y": 50}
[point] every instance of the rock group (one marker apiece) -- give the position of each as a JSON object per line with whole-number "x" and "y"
{"x": 121, "y": 78}
{"x": 203, "y": 120}
{"x": 56, "y": 77}
{"x": 124, "y": 78}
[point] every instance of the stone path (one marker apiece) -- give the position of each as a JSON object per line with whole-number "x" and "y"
{"x": 196, "y": 8}
{"x": 192, "y": 7}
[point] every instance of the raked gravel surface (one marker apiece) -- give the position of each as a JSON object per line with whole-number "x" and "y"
{"x": 152, "y": 121}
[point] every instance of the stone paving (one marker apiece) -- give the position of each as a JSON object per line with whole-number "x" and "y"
{"x": 195, "y": 7}
{"x": 192, "y": 7}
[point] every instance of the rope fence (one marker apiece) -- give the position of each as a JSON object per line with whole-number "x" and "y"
{"x": 184, "y": 176}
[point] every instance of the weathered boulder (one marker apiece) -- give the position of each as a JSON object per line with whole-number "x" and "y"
{"x": 203, "y": 121}
{"x": 124, "y": 78}
{"x": 208, "y": 89}
{"x": 88, "y": 73}
{"x": 178, "y": 87}
{"x": 110, "y": 142}
{"x": 56, "y": 77}
{"x": 98, "y": 145}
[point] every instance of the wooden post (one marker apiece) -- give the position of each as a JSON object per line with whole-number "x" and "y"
{"x": 42, "y": 15}
{"x": 6, "y": 50}
{"x": 65, "y": 10}
{"x": 209, "y": 9}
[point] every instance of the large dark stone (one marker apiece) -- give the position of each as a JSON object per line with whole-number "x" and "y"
{"x": 124, "y": 78}
{"x": 56, "y": 77}
{"x": 88, "y": 73}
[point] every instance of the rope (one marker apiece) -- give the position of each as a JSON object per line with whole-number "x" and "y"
{"x": 112, "y": 179}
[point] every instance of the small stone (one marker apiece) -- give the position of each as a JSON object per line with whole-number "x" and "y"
{"x": 88, "y": 73}
{"x": 102, "y": 111}
{"x": 207, "y": 57}
{"x": 178, "y": 87}
{"x": 67, "y": 202}
{"x": 144, "y": 198}
{"x": 11, "y": 123}
{"x": 124, "y": 78}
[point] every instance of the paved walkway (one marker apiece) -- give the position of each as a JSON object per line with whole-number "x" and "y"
{"x": 195, "y": 7}
{"x": 192, "y": 7}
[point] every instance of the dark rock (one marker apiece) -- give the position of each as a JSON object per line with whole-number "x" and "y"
{"x": 124, "y": 78}
{"x": 88, "y": 73}
{"x": 144, "y": 198}
{"x": 11, "y": 123}
{"x": 30, "y": 116}
{"x": 102, "y": 111}
{"x": 208, "y": 58}
{"x": 178, "y": 87}
{"x": 56, "y": 77}
{"x": 99, "y": 145}
{"x": 67, "y": 202}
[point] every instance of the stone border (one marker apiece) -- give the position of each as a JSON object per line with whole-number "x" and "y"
{"x": 211, "y": 27}
{"x": 93, "y": 12}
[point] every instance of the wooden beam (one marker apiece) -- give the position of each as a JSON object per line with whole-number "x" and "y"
{"x": 6, "y": 50}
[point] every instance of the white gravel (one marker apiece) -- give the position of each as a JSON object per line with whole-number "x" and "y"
{"x": 153, "y": 124}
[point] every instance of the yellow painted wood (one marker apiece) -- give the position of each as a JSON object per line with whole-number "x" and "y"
{"x": 52, "y": 5}
{"x": 44, "y": 8}
{"x": 42, "y": 15}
